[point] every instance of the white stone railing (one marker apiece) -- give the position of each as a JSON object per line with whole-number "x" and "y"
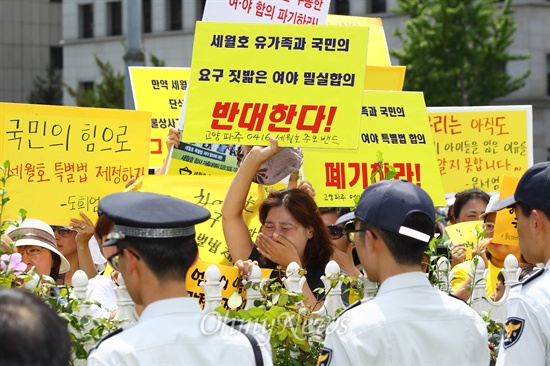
{"x": 479, "y": 300}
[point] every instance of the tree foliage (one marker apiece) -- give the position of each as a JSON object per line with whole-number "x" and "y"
{"x": 48, "y": 89}
{"x": 455, "y": 50}
{"x": 109, "y": 93}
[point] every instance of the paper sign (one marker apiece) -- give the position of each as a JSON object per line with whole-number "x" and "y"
{"x": 159, "y": 90}
{"x": 267, "y": 11}
{"x": 394, "y": 124}
{"x": 67, "y": 158}
{"x": 302, "y": 85}
{"x": 466, "y": 234}
{"x": 209, "y": 193}
{"x": 377, "y": 53}
{"x": 384, "y": 77}
{"x": 476, "y": 146}
{"x": 203, "y": 159}
{"x": 230, "y": 275}
{"x": 506, "y": 222}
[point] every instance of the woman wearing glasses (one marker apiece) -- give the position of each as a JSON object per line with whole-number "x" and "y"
{"x": 292, "y": 228}
{"x": 343, "y": 249}
{"x": 35, "y": 240}
{"x": 72, "y": 242}
{"x": 492, "y": 253}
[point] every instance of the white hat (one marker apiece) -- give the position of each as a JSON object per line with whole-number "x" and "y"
{"x": 489, "y": 208}
{"x": 36, "y": 232}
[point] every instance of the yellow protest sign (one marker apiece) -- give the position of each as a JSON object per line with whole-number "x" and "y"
{"x": 476, "y": 146}
{"x": 209, "y": 193}
{"x": 394, "y": 124}
{"x": 384, "y": 77}
{"x": 67, "y": 158}
{"x": 203, "y": 159}
{"x": 159, "y": 90}
{"x": 377, "y": 53}
{"x": 465, "y": 233}
{"x": 196, "y": 275}
{"x": 506, "y": 231}
{"x": 303, "y": 85}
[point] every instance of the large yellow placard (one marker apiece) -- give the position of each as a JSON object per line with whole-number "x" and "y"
{"x": 67, "y": 158}
{"x": 197, "y": 275}
{"x": 209, "y": 192}
{"x": 161, "y": 91}
{"x": 394, "y": 124}
{"x": 476, "y": 146}
{"x": 301, "y": 84}
{"x": 506, "y": 222}
{"x": 377, "y": 53}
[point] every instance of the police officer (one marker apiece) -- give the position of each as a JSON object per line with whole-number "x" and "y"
{"x": 527, "y": 329}
{"x": 409, "y": 321}
{"x": 155, "y": 240}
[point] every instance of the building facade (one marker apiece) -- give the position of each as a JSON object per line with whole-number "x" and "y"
{"x": 29, "y": 41}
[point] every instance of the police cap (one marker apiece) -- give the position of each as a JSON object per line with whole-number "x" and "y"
{"x": 150, "y": 215}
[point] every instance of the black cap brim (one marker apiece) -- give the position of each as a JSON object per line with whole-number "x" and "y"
{"x": 504, "y": 202}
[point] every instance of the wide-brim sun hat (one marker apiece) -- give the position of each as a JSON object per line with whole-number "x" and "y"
{"x": 38, "y": 233}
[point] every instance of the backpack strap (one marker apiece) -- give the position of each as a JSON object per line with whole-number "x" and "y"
{"x": 236, "y": 324}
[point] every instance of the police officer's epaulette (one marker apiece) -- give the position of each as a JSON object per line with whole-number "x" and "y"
{"x": 119, "y": 330}
{"x": 354, "y": 305}
{"x": 530, "y": 276}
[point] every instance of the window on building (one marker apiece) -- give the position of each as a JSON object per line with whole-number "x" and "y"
{"x": 86, "y": 85}
{"x": 378, "y": 6}
{"x": 147, "y": 16}
{"x": 86, "y": 18}
{"x": 114, "y": 18}
{"x": 175, "y": 15}
{"x": 548, "y": 74}
{"x": 56, "y": 57}
{"x": 201, "y": 4}
{"x": 341, "y": 7}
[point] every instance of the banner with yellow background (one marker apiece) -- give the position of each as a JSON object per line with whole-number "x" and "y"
{"x": 476, "y": 146}
{"x": 161, "y": 91}
{"x": 67, "y": 158}
{"x": 209, "y": 192}
{"x": 395, "y": 126}
{"x": 465, "y": 233}
{"x": 303, "y": 85}
{"x": 197, "y": 274}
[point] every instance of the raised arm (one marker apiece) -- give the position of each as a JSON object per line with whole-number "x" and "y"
{"x": 85, "y": 230}
{"x": 235, "y": 229}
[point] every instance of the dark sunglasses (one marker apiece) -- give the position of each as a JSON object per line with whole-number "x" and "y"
{"x": 336, "y": 231}
{"x": 64, "y": 231}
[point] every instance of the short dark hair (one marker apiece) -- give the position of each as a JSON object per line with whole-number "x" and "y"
{"x": 526, "y": 209}
{"x": 31, "y": 333}
{"x": 405, "y": 250}
{"x": 168, "y": 259}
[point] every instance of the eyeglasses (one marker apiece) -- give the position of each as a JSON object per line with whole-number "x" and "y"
{"x": 352, "y": 233}
{"x": 113, "y": 259}
{"x": 31, "y": 251}
{"x": 336, "y": 231}
{"x": 64, "y": 231}
{"x": 489, "y": 227}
